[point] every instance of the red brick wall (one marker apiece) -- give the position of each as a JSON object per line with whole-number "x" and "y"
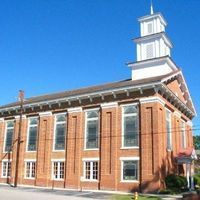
{"x": 155, "y": 160}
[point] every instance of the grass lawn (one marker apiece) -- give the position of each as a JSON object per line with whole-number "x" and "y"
{"x": 130, "y": 197}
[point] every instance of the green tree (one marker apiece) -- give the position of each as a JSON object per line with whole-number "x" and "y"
{"x": 196, "y": 142}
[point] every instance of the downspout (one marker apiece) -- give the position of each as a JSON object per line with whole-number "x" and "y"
{"x": 140, "y": 149}
{"x": 66, "y": 140}
{"x": 37, "y": 151}
{"x": 100, "y": 142}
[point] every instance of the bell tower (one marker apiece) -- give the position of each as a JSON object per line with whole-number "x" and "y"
{"x": 153, "y": 48}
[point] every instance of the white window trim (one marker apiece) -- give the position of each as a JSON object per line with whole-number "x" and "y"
{"x": 54, "y": 131}
{"x": 129, "y": 158}
{"x": 5, "y": 134}
{"x": 3, "y": 161}
{"x": 31, "y": 161}
{"x": 85, "y": 135}
{"x": 45, "y": 114}
{"x": 58, "y": 160}
{"x": 27, "y": 140}
{"x": 124, "y": 148}
{"x": 170, "y": 128}
{"x": 109, "y": 105}
{"x": 183, "y": 143}
{"x": 91, "y": 160}
{"x": 74, "y": 110}
{"x": 122, "y": 125}
{"x": 122, "y": 159}
{"x": 52, "y": 169}
{"x": 91, "y": 109}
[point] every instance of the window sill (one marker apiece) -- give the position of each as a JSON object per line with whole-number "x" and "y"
{"x": 169, "y": 150}
{"x": 29, "y": 178}
{"x": 129, "y": 181}
{"x": 58, "y": 150}
{"x": 89, "y": 180}
{"x": 136, "y": 147}
{"x": 5, "y": 177}
{"x": 95, "y": 149}
{"x": 30, "y": 151}
{"x": 7, "y": 152}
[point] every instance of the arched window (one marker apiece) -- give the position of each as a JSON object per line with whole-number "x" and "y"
{"x": 60, "y": 129}
{"x": 92, "y": 126}
{"x": 130, "y": 126}
{"x": 9, "y": 136}
{"x": 32, "y": 134}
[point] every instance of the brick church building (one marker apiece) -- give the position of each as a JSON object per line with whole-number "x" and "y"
{"x": 121, "y": 136}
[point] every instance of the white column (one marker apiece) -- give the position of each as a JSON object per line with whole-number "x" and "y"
{"x": 192, "y": 174}
{"x": 188, "y": 174}
{"x": 138, "y": 52}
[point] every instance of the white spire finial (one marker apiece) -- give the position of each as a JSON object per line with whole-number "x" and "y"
{"x": 151, "y": 7}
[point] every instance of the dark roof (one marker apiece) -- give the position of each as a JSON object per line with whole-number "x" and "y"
{"x": 86, "y": 90}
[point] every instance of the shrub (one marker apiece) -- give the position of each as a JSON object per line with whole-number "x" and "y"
{"x": 176, "y": 183}
{"x": 197, "y": 179}
{"x": 165, "y": 191}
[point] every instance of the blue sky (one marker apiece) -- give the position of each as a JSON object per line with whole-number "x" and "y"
{"x": 54, "y": 45}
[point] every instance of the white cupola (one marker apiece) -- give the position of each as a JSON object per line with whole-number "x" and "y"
{"x": 153, "y": 48}
{"x": 153, "y": 41}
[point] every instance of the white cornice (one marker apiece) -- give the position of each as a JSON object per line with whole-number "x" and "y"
{"x": 152, "y": 100}
{"x": 109, "y": 105}
{"x": 74, "y": 110}
{"x": 122, "y": 89}
{"x": 45, "y": 114}
{"x": 152, "y": 62}
{"x": 88, "y": 95}
{"x": 148, "y": 17}
{"x": 179, "y": 73}
{"x": 175, "y": 98}
{"x": 188, "y": 92}
{"x": 154, "y": 36}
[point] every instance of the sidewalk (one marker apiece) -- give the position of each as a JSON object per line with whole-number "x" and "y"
{"x": 25, "y": 193}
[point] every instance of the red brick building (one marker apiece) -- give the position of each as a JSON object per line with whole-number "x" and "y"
{"x": 121, "y": 136}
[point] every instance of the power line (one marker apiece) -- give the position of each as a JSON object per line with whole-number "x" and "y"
{"x": 113, "y": 136}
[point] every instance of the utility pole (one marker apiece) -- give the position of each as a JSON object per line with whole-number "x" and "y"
{"x": 21, "y": 99}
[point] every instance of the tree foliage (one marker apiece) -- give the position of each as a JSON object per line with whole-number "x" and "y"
{"x": 196, "y": 142}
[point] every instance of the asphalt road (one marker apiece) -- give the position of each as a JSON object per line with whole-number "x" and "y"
{"x": 20, "y": 193}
